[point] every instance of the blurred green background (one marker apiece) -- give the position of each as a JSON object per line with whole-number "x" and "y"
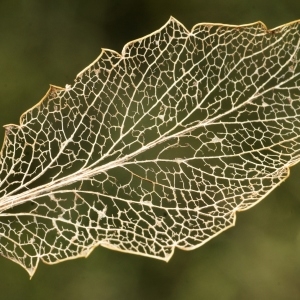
{"x": 43, "y": 42}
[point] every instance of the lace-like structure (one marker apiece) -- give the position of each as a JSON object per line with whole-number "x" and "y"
{"x": 155, "y": 148}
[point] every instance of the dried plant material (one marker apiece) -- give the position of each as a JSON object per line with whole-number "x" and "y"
{"x": 155, "y": 148}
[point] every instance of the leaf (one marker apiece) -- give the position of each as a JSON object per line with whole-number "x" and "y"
{"x": 155, "y": 148}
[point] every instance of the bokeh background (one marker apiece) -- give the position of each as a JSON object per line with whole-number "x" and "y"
{"x": 43, "y": 42}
